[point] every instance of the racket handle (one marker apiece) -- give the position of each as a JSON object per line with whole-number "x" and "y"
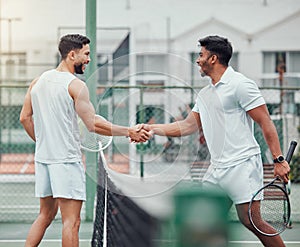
{"x": 291, "y": 151}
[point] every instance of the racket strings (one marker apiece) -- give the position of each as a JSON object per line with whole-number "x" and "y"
{"x": 273, "y": 210}
{"x": 91, "y": 141}
{"x": 94, "y": 141}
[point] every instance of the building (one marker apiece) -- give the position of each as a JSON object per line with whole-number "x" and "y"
{"x": 163, "y": 44}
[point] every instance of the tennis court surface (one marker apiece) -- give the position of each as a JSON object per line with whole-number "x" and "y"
{"x": 14, "y": 234}
{"x": 118, "y": 219}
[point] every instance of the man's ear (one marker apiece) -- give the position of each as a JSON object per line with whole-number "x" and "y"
{"x": 71, "y": 55}
{"x": 214, "y": 58}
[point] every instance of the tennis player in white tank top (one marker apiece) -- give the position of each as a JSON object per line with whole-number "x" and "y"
{"x": 49, "y": 116}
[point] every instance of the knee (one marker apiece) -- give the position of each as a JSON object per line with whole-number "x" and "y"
{"x": 72, "y": 224}
{"x": 77, "y": 223}
{"x": 246, "y": 221}
{"x": 47, "y": 217}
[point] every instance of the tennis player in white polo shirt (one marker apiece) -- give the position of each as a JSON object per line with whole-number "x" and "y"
{"x": 226, "y": 109}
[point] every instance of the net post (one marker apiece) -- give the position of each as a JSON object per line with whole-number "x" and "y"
{"x": 91, "y": 158}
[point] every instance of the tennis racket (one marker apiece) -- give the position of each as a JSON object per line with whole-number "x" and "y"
{"x": 274, "y": 208}
{"x": 91, "y": 141}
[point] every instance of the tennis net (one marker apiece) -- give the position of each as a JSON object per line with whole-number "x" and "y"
{"x": 119, "y": 221}
{"x": 154, "y": 212}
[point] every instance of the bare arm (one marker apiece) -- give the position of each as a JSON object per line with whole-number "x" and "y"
{"x": 84, "y": 108}
{"x": 179, "y": 128}
{"x": 261, "y": 116}
{"x": 26, "y": 115}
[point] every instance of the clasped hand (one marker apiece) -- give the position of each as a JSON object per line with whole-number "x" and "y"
{"x": 140, "y": 133}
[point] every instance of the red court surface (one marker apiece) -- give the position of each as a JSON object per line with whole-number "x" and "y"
{"x": 24, "y": 163}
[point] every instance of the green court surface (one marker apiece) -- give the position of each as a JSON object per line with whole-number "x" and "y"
{"x": 14, "y": 234}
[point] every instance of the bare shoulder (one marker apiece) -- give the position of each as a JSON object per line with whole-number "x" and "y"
{"x": 34, "y": 81}
{"x": 77, "y": 83}
{"x": 76, "y": 86}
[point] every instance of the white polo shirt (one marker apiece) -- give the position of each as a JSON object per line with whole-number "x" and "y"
{"x": 227, "y": 127}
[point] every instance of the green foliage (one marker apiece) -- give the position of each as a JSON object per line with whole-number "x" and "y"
{"x": 295, "y": 168}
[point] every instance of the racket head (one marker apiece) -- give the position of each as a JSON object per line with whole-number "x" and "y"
{"x": 91, "y": 141}
{"x": 272, "y": 205}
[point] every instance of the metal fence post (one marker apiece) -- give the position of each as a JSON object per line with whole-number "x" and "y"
{"x": 142, "y": 119}
{"x": 91, "y": 158}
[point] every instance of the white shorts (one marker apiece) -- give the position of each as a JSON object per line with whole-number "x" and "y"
{"x": 62, "y": 180}
{"x": 239, "y": 182}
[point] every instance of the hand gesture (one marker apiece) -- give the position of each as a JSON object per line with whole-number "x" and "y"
{"x": 139, "y": 134}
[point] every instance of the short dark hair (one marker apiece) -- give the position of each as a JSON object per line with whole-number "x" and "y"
{"x": 219, "y": 46}
{"x": 71, "y": 42}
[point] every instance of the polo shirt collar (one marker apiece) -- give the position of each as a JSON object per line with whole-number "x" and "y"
{"x": 226, "y": 76}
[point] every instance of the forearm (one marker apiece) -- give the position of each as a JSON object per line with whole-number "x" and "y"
{"x": 104, "y": 127}
{"x": 271, "y": 138}
{"x": 261, "y": 116}
{"x": 171, "y": 129}
{"x": 109, "y": 129}
{"x": 179, "y": 128}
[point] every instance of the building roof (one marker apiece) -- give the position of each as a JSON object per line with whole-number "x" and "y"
{"x": 249, "y": 17}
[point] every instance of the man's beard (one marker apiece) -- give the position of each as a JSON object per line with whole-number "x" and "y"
{"x": 78, "y": 68}
{"x": 202, "y": 74}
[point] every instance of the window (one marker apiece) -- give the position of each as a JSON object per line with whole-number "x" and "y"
{"x": 151, "y": 70}
{"x": 294, "y": 64}
{"x": 288, "y": 61}
{"x": 272, "y": 60}
{"x": 151, "y": 63}
{"x": 14, "y": 65}
{"x": 103, "y": 69}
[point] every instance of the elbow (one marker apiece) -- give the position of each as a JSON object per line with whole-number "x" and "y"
{"x": 90, "y": 127}
{"x": 22, "y": 119}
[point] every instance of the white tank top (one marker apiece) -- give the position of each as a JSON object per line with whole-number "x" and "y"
{"x": 55, "y": 119}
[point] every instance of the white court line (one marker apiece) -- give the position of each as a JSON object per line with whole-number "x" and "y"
{"x": 89, "y": 240}
{"x": 43, "y": 241}
{"x": 258, "y": 242}
{"x": 17, "y": 178}
{"x": 19, "y": 206}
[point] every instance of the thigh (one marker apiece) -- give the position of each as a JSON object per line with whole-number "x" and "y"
{"x": 48, "y": 206}
{"x": 242, "y": 181}
{"x": 70, "y": 209}
{"x": 210, "y": 182}
{"x": 68, "y": 180}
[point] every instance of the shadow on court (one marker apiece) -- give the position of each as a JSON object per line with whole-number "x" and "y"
{"x": 14, "y": 234}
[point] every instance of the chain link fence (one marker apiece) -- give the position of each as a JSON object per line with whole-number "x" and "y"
{"x": 129, "y": 105}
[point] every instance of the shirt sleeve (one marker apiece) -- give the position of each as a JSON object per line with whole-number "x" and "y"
{"x": 249, "y": 96}
{"x": 196, "y": 108}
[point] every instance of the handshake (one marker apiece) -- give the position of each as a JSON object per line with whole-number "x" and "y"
{"x": 140, "y": 133}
